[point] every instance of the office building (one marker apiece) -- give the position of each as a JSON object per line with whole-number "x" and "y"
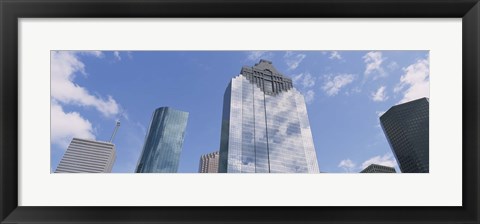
{"x": 209, "y": 163}
{"x": 406, "y": 127}
{"x": 163, "y": 142}
{"x": 375, "y": 168}
{"x": 87, "y": 156}
{"x": 265, "y": 126}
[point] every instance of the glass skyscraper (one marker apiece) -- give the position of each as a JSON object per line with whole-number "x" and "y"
{"x": 406, "y": 127}
{"x": 163, "y": 142}
{"x": 265, "y": 127}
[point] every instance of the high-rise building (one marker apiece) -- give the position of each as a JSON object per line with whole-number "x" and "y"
{"x": 265, "y": 127}
{"x": 406, "y": 127}
{"x": 163, "y": 142}
{"x": 87, "y": 156}
{"x": 209, "y": 163}
{"x": 375, "y": 168}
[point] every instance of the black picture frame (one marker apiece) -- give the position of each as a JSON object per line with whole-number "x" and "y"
{"x": 12, "y": 10}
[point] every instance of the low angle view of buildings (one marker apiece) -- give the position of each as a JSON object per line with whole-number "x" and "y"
{"x": 264, "y": 128}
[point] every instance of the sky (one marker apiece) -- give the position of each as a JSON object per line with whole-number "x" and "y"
{"x": 345, "y": 91}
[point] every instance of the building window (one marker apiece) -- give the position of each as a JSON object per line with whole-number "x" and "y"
{"x": 268, "y": 86}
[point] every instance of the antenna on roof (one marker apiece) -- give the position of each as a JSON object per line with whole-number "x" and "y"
{"x": 115, "y": 131}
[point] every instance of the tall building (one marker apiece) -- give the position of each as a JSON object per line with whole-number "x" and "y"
{"x": 163, "y": 142}
{"x": 375, "y": 168}
{"x": 406, "y": 127}
{"x": 209, "y": 163}
{"x": 87, "y": 156}
{"x": 265, "y": 127}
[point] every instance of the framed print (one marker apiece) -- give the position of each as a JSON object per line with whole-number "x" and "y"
{"x": 89, "y": 87}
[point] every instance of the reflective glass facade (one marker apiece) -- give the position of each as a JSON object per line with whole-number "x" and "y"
{"x": 265, "y": 127}
{"x": 163, "y": 142}
{"x": 406, "y": 127}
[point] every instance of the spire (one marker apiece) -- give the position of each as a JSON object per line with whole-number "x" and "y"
{"x": 117, "y": 125}
{"x": 267, "y": 78}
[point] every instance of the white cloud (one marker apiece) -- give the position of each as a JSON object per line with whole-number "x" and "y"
{"x": 335, "y": 55}
{"x": 296, "y": 78}
{"x": 380, "y": 95}
{"x": 356, "y": 90}
{"x": 293, "y": 60}
{"x": 118, "y": 57}
{"x": 129, "y": 54}
{"x": 347, "y": 164}
{"x": 392, "y": 66}
{"x": 64, "y": 66}
{"x": 308, "y": 80}
{"x": 116, "y": 54}
{"x": 65, "y": 126}
{"x": 397, "y": 88}
{"x": 415, "y": 83}
{"x": 257, "y": 55}
{"x": 380, "y": 113}
{"x": 385, "y": 160}
{"x": 98, "y": 54}
{"x": 353, "y": 90}
{"x": 373, "y": 62}
{"x": 309, "y": 96}
{"x": 304, "y": 82}
{"x": 305, "y": 79}
{"x": 143, "y": 128}
{"x": 333, "y": 85}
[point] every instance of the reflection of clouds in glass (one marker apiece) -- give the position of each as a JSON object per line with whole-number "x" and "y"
{"x": 232, "y": 117}
{"x": 261, "y": 138}
{"x": 287, "y": 153}
{"x": 268, "y": 133}
{"x": 293, "y": 128}
{"x": 248, "y": 146}
{"x": 307, "y": 138}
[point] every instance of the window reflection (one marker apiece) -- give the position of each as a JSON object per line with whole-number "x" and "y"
{"x": 265, "y": 129}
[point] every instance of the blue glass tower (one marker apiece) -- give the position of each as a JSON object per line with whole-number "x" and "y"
{"x": 163, "y": 142}
{"x": 265, "y": 127}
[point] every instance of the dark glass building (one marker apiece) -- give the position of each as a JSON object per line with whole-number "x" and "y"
{"x": 163, "y": 142}
{"x": 265, "y": 127}
{"x": 406, "y": 127}
{"x": 375, "y": 168}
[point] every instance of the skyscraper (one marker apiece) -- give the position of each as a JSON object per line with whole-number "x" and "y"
{"x": 406, "y": 127}
{"x": 163, "y": 142}
{"x": 209, "y": 163}
{"x": 87, "y": 156}
{"x": 265, "y": 127}
{"x": 375, "y": 168}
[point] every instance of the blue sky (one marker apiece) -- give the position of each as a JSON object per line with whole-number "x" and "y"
{"x": 346, "y": 92}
